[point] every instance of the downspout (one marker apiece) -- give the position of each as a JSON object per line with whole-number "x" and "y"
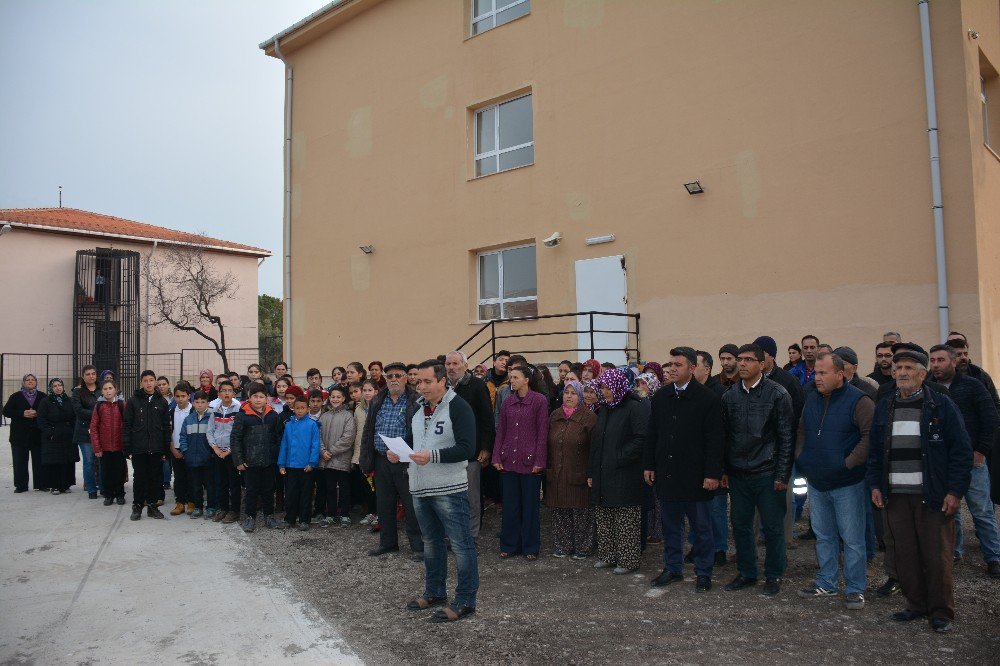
{"x": 145, "y": 334}
{"x": 286, "y": 301}
{"x": 936, "y": 203}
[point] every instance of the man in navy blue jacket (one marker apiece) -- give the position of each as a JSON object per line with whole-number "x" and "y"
{"x": 919, "y": 467}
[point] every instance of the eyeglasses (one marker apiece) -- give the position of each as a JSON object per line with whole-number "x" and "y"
{"x": 395, "y": 375}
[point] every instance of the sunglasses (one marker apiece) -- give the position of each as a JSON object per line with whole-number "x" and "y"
{"x": 395, "y": 375}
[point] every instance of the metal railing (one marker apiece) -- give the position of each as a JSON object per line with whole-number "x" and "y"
{"x": 487, "y": 336}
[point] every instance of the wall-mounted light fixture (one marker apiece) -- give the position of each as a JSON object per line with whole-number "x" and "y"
{"x": 597, "y": 240}
{"x": 368, "y": 249}
{"x": 694, "y": 187}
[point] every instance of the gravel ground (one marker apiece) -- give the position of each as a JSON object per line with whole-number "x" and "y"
{"x": 564, "y": 611}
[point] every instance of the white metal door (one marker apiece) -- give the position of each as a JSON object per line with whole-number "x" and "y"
{"x": 600, "y": 287}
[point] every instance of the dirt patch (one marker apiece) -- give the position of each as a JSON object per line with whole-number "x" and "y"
{"x": 564, "y": 611}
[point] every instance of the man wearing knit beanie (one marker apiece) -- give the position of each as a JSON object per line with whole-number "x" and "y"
{"x": 729, "y": 374}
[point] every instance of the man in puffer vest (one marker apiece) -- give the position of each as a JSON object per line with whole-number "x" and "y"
{"x": 444, "y": 438}
{"x": 831, "y": 452}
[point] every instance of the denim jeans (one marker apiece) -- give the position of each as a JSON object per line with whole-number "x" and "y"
{"x": 166, "y": 472}
{"x": 758, "y": 494}
{"x": 837, "y": 515}
{"x": 871, "y": 535}
{"x": 91, "y": 477}
{"x": 977, "y": 498}
{"x": 448, "y": 515}
{"x": 699, "y": 516}
{"x": 720, "y": 523}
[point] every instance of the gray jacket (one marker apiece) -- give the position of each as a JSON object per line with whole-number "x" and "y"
{"x": 336, "y": 431}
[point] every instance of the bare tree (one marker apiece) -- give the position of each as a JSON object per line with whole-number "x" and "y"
{"x": 185, "y": 292}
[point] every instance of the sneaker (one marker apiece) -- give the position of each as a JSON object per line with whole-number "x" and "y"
{"x": 197, "y": 513}
{"x": 374, "y": 526}
{"x": 888, "y": 588}
{"x": 854, "y": 601}
{"x": 345, "y": 521}
{"x": 621, "y": 571}
{"x": 816, "y": 592}
{"x": 580, "y": 556}
{"x": 120, "y": 500}
{"x": 303, "y": 527}
{"x": 941, "y": 625}
{"x": 559, "y": 553}
{"x": 153, "y": 512}
{"x": 177, "y": 510}
{"x": 219, "y": 515}
{"x": 230, "y": 518}
{"x": 273, "y": 523}
{"x": 906, "y": 615}
{"x": 772, "y": 586}
{"x": 367, "y": 520}
{"x": 136, "y": 512}
{"x": 603, "y": 564}
{"x": 56, "y": 492}
{"x": 91, "y": 495}
{"x": 249, "y": 525}
{"x": 166, "y": 486}
{"x": 210, "y": 513}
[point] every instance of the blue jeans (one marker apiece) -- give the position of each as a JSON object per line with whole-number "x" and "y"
{"x": 166, "y": 472}
{"x": 520, "y": 526}
{"x": 871, "y": 537}
{"x": 720, "y": 523}
{"x": 91, "y": 476}
{"x": 748, "y": 496}
{"x": 837, "y": 515}
{"x": 448, "y": 515}
{"x": 977, "y": 498}
{"x": 699, "y": 515}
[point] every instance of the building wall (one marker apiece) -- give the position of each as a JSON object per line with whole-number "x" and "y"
{"x": 805, "y": 122}
{"x": 37, "y": 271}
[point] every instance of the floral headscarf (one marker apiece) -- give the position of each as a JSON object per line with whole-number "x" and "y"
{"x": 651, "y": 381}
{"x": 576, "y": 386}
{"x": 656, "y": 369}
{"x": 29, "y": 394}
{"x": 592, "y": 385}
{"x": 617, "y": 382}
{"x": 52, "y": 394}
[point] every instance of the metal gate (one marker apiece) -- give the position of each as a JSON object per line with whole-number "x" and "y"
{"x": 106, "y": 313}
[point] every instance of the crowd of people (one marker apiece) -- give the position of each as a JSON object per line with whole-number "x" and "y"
{"x": 622, "y": 457}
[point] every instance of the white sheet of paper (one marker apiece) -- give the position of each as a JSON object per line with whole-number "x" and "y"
{"x": 398, "y": 446}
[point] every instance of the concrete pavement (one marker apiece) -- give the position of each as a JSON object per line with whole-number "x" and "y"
{"x": 82, "y": 584}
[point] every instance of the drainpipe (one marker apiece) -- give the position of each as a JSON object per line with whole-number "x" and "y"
{"x": 936, "y": 203}
{"x": 145, "y": 334}
{"x": 287, "y": 214}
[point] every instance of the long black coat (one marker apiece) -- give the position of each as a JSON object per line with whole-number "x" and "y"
{"x": 685, "y": 442}
{"x": 83, "y": 403}
{"x": 615, "y": 465}
{"x": 147, "y": 424}
{"x": 24, "y": 432}
{"x": 56, "y": 422}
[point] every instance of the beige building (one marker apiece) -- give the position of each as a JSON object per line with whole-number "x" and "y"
{"x": 433, "y": 146}
{"x": 75, "y": 293}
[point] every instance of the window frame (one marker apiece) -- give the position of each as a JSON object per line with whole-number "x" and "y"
{"x": 497, "y": 151}
{"x": 500, "y": 300}
{"x": 492, "y": 14}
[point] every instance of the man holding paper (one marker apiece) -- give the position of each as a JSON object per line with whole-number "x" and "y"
{"x": 389, "y": 414}
{"x": 444, "y": 438}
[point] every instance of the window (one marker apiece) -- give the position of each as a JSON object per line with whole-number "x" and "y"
{"x": 488, "y": 14}
{"x": 505, "y": 137}
{"x": 507, "y": 283}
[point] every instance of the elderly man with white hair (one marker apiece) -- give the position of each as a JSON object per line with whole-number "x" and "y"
{"x": 473, "y": 390}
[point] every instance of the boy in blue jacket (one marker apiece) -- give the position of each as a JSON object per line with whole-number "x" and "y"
{"x": 197, "y": 452}
{"x": 298, "y": 456}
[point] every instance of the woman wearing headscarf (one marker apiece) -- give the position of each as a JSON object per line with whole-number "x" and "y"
{"x": 591, "y": 396}
{"x": 205, "y": 379}
{"x": 656, "y": 369}
{"x": 56, "y": 419}
{"x": 566, "y": 492}
{"x": 646, "y": 384}
{"x": 591, "y": 369}
{"x": 615, "y": 473}
{"x": 25, "y": 437}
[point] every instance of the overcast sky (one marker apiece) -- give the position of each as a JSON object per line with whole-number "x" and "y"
{"x": 162, "y": 112}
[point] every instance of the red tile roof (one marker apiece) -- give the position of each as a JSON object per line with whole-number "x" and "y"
{"x": 72, "y": 220}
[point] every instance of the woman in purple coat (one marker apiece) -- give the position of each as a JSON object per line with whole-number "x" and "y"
{"x": 520, "y": 454}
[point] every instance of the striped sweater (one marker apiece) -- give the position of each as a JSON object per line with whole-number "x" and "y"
{"x": 906, "y": 464}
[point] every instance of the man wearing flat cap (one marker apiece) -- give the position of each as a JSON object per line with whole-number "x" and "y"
{"x": 866, "y": 385}
{"x": 919, "y": 467}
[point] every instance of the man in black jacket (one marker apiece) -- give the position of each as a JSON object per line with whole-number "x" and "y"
{"x": 981, "y": 421}
{"x": 960, "y": 344}
{"x": 474, "y": 392}
{"x": 883, "y": 363}
{"x": 682, "y": 456}
{"x": 758, "y": 419}
{"x": 145, "y": 439}
{"x": 390, "y": 414}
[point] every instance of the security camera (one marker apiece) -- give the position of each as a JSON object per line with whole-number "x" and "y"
{"x": 552, "y": 240}
{"x": 5, "y": 229}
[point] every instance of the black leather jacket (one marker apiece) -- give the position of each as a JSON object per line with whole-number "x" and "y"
{"x": 760, "y": 437}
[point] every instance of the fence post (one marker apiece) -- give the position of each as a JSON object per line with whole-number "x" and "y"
{"x": 3, "y": 394}
{"x": 592, "y": 353}
{"x": 493, "y": 339}
{"x": 181, "y": 353}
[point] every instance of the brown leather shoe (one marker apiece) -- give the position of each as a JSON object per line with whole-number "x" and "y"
{"x": 190, "y": 507}
{"x": 230, "y": 518}
{"x": 177, "y": 510}
{"x": 219, "y": 515}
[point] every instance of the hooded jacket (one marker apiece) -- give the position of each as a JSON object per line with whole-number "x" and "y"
{"x": 107, "y": 423}
{"x": 147, "y": 424}
{"x": 300, "y": 443}
{"x": 194, "y": 439}
{"x": 255, "y": 438}
{"x": 337, "y": 434}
